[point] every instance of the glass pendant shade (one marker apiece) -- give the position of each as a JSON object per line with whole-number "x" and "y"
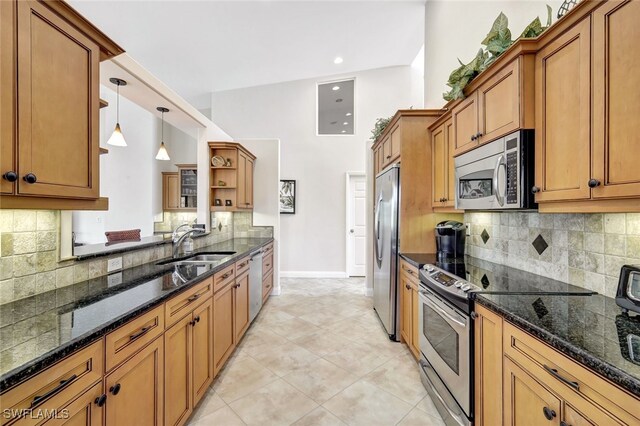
{"x": 117, "y": 139}
{"x": 162, "y": 153}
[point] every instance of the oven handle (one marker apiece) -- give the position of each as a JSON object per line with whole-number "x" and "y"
{"x": 496, "y": 188}
{"x": 433, "y": 305}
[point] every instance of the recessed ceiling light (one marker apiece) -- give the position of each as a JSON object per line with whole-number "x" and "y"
{"x": 346, "y": 123}
{"x": 348, "y": 114}
{"x": 339, "y": 100}
{"x": 335, "y": 88}
{"x": 337, "y": 60}
{"x": 344, "y": 131}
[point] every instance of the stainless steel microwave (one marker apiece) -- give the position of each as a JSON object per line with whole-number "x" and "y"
{"x": 498, "y": 175}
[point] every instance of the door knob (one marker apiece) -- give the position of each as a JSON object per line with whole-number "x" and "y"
{"x": 101, "y": 400}
{"x": 30, "y": 178}
{"x": 11, "y": 176}
{"x": 535, "y": 189}
{"x": 351, "y": 231}
{"x": 115, "y": 389}
{"x": 548, "y": 413}
{"x": 593, "y": 183}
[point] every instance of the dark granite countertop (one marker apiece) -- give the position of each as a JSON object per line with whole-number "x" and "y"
{"x": 589, "y": 328}
{"x": 40, "y": 330}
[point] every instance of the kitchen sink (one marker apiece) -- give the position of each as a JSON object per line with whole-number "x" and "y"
{"x": 199, "y": 258}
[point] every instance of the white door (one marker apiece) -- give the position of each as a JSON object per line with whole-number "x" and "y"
{"x": 356, "y": 232}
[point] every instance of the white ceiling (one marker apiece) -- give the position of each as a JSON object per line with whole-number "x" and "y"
{"x": 197, "y": 47}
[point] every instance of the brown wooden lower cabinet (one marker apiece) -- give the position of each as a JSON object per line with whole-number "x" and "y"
{"x": 241, "y": 306}
{"x": 267, "y": 286}
{"x": 534, "y": 389}
{"x": 223, "y": 332}
{"x": 409, "y": 306}
{"x": 135, "y": 390}
{"x": 83, "y": 410}
{"x": 188, "y": 363}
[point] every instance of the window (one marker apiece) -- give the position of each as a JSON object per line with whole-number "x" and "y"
{"x": 336, "y": 115}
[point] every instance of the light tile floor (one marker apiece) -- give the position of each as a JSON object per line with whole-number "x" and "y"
{"x": 317, "y": 355}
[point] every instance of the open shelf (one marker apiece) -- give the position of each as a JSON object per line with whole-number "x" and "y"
{"x": 223, "y": 187}
{"x": 103, "y": 150}
{"x": 103, "y": 103}
{"x": 223, "y": 168}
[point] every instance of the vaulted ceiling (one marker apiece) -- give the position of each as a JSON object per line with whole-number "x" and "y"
{"x": 197, "y": 47}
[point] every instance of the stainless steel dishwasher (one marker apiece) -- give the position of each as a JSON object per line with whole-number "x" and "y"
{"x": 255, "y": 283}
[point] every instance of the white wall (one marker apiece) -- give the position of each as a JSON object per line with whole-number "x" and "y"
{"x": 313, "y": 240}
{"x": 266, "y": 184}
{"x": 126, "y": 173}
{"x": 454, "y": 29}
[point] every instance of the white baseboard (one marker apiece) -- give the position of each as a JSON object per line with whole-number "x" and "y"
{"x": 313, "y": 274}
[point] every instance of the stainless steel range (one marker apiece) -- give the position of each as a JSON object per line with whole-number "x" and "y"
{"x": 446, "y": 331}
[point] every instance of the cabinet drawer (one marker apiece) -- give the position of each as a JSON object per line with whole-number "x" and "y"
{"x": 267, "y": 286}
{"x": 267, "y": 264}
{"x": 224, "y": 277}
{"x": 410, "y": 271}
{"x": 133, "y": 336}
{"x": 54, "y": 387}
{"x": 242, "y": 266}
{"x": 576, "y": 384}
{"x": 268, "y": 249}
{"x": 183, "y": 303}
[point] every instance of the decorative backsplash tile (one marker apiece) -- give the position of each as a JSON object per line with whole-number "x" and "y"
{"x": 29, "y": 257}
{"x": 586, "y": 250}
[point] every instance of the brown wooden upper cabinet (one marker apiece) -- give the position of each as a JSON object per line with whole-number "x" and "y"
{"x": 50, "y": 110}
{"x": 179, "y": 189}
{"x": 170, "y": 191}
{"x": 587, "y": 141}
{"x": 443, "y": 169}
{"x": 500, "y": 105}
{"x": 231, "y": 183}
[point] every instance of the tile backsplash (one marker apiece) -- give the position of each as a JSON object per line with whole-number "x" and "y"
{"x": 29, "y": 251}
{"x": 586, "y": 250}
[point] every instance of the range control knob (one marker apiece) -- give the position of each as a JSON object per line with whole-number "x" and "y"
{"x": 459, "y": 284}
{"x": 429, "y": 268}
{"x": 465, "y": 288}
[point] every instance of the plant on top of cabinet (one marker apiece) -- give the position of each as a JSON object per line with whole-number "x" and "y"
{"x": 50, "y": 120}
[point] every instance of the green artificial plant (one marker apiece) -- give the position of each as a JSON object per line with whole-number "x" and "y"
{"x": 496, "y": 42}
{"x": 381, "y": 124}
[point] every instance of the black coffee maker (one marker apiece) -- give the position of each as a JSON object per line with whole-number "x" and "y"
{"x": 450, "y": 238}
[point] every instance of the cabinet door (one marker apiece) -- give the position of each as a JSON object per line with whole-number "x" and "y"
{"x": 395, "y": 141}
{"x": 488, "y": 367}
{"x": 450, "y": 195}
{"x": 499, "y": 103}
{"x": 7, "y": 95}
{"x": 242, "y": 180}
{"x": 527, "y": 402}
{"x": 465, "y": 124}
{"x": 386, "y": 152}
{"x": 135, "y": 389}
{"x": 223, "y": 333}
{"x": 439, "y": 167}
{"x": 406, "y": 306}
{"x": 202, "y": 350}
{"x": 170, "y": 191}
{"x": 241, "y": 306}
{"x": 58, "y": 112}
{"x": 563, "y": 104}
{"x": 376, "y": 159}
{"x": 415, "y": 323}
{"x": 82, "y": 411}
{"x": 249, "y": 184}
{"x": 267, "y": 286}
{"x": 178, "y": 372}
{"x": 616, "y": 128}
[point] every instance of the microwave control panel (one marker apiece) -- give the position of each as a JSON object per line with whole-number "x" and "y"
{"x": 512, "y": 177}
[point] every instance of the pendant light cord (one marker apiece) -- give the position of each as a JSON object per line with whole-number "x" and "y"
{"x": 118, "y": 104}
{"x": 162, "y": 132}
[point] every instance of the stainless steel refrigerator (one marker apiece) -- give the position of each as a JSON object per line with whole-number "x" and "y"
{"x": 385, "y": 247}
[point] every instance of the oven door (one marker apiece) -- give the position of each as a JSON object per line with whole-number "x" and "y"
{"x": 445, "y": 337}
{"x": 482, "y": 185}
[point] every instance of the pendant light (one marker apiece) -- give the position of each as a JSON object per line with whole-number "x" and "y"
{"x": 117, "y": 139}
{"x": 162, "y": 152}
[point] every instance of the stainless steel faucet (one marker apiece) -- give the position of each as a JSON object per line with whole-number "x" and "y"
{"x": 179, "y": 239}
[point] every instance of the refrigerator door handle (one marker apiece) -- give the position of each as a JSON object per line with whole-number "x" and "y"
{"x": 376, "y": 224}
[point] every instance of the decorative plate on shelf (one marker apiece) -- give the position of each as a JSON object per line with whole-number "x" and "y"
{"x": 218, "y": 161}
